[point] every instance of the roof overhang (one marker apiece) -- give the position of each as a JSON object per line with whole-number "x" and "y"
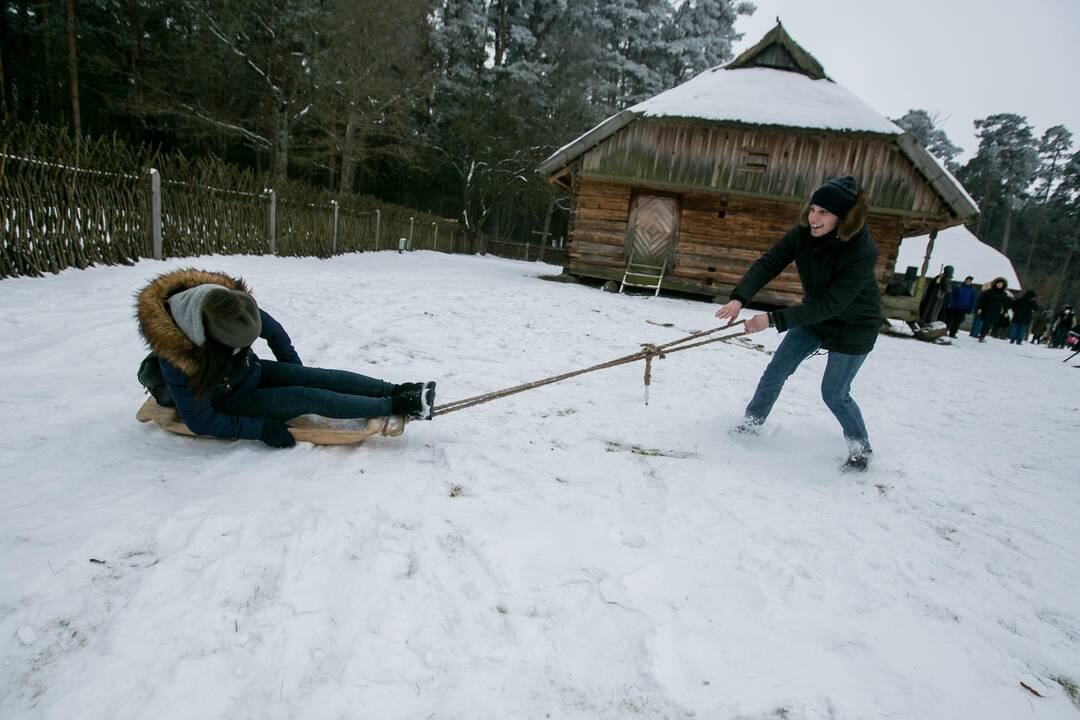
{"x": 553, "y": 167}
{"x": 952, "y": 193}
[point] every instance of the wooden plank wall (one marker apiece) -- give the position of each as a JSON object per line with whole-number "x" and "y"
{"x": 719, "y": 238}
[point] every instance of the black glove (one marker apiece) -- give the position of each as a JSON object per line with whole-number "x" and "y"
{"x": 276, "y": 434}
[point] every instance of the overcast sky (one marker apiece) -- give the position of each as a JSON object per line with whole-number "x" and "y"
{"x": 963, "y": 59}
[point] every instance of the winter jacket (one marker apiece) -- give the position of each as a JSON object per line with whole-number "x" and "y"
{"x": 176, "y": 354}
{"x": 1024, "y": 308}
{"x": 962, "y": 298}
{"x": 842, "y": 301}
{"x": 935, "y": 297}
{"x": 993, "y": 302}
{"x": 1039, "y": 323}
{"x": 1065, "y": 321}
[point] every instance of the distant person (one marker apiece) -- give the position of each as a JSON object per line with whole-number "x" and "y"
{"x": 1022, "y": 310}
{"x": 1040, "y": 326}
{"x": 201, "y": 325}
{"x": 1065, "y": 322}
{"x": 992, "y": 304}
{"x": 961, "y": 302}
{"x": 836, "y": 258}
{"x": 1001, "y": 327}
{"x": 936, "y": 295}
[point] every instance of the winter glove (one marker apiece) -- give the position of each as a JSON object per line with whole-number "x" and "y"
{"x": 276, "y": 434}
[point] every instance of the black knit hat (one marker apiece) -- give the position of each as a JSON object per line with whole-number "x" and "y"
{"x": 232, "y": 317}
{"x": 837, "y": 195}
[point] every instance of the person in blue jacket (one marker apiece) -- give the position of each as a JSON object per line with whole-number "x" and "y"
{"x": 961, "y": 302}
{"x": 201, "y": 326}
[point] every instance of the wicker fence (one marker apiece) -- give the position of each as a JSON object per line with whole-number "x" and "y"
{"x": 63, "y": 206}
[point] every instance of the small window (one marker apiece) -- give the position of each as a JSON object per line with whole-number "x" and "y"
{"x": 754, "y": 161}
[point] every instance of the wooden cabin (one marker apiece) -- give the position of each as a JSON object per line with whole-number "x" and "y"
{"x": 705, "y": 176}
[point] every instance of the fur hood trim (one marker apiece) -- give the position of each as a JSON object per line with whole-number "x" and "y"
{"x": 852, "y": 223}
{"x": 156, "y": 325}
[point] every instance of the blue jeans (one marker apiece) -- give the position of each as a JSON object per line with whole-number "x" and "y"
{"x": 287, "y": 391}
{"x": 1017, "y": 333}
{"x": 797, "y": 345}
{"x": 976, "y": 326}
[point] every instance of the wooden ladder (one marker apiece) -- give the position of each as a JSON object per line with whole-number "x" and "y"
{"x": 641, "y": 275}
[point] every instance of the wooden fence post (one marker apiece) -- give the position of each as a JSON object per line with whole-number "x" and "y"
{"x": 273, "y": 222}
{"x": 155, "y": 213}
{"x": 378, "y": 217}
{"x": 333, "y": 242}
{"x": 435, "y": 242}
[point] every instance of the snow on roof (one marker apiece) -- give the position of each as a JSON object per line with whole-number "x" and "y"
{"x": 958, "y": 247}
{"x": 765, "y": 96}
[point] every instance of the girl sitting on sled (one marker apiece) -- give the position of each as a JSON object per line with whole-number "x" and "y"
{"x": 201, "y": 325}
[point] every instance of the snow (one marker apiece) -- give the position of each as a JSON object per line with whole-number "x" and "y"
{"x": 564, "y": 553}
{"x": 957, "y": 246}
{"x": 763, "y": 96}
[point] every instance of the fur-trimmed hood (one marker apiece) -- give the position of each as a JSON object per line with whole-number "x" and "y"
{"x": 851, "y": 224}
{"x": 160, "y": 332}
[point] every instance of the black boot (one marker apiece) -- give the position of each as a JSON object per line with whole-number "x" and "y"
{"x": 417, "y": 404}
{"x": 405, "y": 387}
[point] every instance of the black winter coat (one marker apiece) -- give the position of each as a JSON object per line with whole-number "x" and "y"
{"x": 842, "y": 302}
{"x": 992, "y": 303}
{"x": 1024, "y": 308}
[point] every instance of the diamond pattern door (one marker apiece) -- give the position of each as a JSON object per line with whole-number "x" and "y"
{"x": 652, "y": 233}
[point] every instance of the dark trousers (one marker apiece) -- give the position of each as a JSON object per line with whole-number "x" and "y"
{"x": 287, "y": 391}
{"x": 955, "y": 320}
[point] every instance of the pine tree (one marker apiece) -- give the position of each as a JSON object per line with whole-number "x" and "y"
{"x": 1053, "y": 154}
{"x": 1002, "y": 170}
{"x": 924, "y": 127}
{"x": 700, "y": 35}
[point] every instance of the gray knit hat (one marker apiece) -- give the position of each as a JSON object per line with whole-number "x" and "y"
{"x": 837, "y": 195}
{"x": 232, "y": 317}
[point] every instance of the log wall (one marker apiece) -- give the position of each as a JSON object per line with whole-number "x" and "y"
{"x": 719, "y": 237}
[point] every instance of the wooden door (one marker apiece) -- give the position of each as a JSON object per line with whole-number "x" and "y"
{"x": 652, "y": 230}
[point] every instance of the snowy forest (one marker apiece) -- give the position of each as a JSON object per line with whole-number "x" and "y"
{"x": 448, "y": 106}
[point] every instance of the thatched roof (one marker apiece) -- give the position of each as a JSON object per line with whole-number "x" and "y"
{"x": 774, "y": 84}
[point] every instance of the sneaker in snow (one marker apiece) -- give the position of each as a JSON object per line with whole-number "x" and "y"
{"x": 748, "y": 426}
{"x": 858, "y": 460}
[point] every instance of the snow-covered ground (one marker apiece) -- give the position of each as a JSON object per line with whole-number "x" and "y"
{"x": 564, "y": 553}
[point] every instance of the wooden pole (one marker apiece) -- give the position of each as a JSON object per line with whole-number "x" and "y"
{"x": 273, "y": 222}
{"x": 333, "y": 242}
{"x": 155, "y": 213}
{"x": 378, "y": 217}
{"x": 922, "y": 273}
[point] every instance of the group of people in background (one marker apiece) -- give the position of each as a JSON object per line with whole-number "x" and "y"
{"x": 997, "y": 312}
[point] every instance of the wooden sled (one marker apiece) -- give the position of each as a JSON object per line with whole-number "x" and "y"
{"x": 302, "y": 428}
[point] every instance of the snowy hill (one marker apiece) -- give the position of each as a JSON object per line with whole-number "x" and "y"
{"x": 564, "y": 553}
